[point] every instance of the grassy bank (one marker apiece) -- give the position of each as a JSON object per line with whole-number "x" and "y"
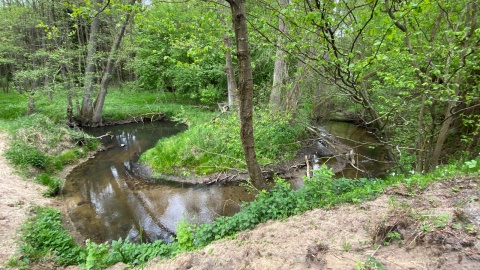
{"x": 321, "y": 191}
{"x": 42, "y": 143}
{"x": 213, "y": 144}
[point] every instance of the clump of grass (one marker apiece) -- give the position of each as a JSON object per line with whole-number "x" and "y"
{"x": 215, "y": 145}
{"x": 54, "y": 184}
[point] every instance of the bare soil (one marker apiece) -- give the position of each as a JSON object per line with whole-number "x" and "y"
{"x": 435, "y": 228}
{"x": 17, "y": 197}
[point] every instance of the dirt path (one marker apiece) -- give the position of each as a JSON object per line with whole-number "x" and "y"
{"x": 16, "y": 197}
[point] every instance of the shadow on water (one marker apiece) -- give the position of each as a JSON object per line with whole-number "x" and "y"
{"x": 103, "y": 205}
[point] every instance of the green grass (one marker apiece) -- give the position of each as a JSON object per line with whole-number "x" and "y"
{"x": 212, "y": 146}
{"x": 12, "y": 105}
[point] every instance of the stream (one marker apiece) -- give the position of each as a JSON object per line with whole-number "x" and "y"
{"x": 105, "y": 201}
{"x": 103, "y": 204}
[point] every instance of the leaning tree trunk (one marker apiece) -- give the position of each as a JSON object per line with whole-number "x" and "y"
{"x": 245, "y": 91}
{"x": 100, "y": 100}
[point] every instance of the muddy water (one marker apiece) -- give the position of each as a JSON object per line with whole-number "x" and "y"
{"x": 105, "y": 203}
{"x": 367, "y": 154}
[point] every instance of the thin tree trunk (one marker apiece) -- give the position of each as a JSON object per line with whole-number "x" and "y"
{"x": 471, "y": 22}
{"x": 245, "y": 91}
{"x": 100, "y": 100}
{"x": 280, "y": 69}
{"x": 229, "y": 70}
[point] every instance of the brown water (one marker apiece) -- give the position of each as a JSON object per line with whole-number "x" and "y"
{"x": 106, "y": 200}
{"x": 105, "y": 203}
{"x": 368, "y": 154}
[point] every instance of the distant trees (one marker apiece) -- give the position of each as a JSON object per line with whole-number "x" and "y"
{"x": 408, "y": 69}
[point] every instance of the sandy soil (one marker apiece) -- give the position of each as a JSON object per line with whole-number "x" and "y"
{"x": 437, "y": 228}
{"x": 17, "y": 196}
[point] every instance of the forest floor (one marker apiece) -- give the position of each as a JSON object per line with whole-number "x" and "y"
{"x": 434, "y": 228}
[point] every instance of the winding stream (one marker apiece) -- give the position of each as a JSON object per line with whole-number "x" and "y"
{"x": 105, "y": 204}
{"x": 106, "y": 200}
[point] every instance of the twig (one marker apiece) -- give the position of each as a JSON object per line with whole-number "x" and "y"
{"x": 105, "y": 135}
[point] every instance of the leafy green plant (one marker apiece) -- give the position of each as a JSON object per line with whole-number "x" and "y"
{"x": 472, "y": 165}
{"x": 392, "y": 236}
{"x": 185, "y": 236}
{"x": 43, "y": 234}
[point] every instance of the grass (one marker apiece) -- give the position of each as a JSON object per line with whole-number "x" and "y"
{"x": 212, "y": 146}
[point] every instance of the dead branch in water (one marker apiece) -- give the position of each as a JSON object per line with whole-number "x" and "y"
{"x": 105, "y": 135}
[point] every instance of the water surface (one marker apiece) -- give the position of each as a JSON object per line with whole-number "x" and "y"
{"x": 106, "y": 200}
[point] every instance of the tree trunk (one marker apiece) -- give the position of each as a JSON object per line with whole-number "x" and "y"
{"x": 229, "y": 70}
{"x": 245, "y": 91}
{"x": 86, "y": 111}
{"x": 100, "y": 100}
{"x": 280, "y": 69}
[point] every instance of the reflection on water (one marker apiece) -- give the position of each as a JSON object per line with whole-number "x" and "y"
{"x": 368, "y": 154}
{"x": 104, "y": 206}
{"x": 105, "y": 201}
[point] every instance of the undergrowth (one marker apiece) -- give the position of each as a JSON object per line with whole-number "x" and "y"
{"x": 215, "y": 146}
{"x": 44, "y": 236}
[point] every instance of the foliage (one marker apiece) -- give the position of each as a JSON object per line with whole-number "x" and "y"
{"x": 54, "y": 184}
{"x": 281, "y": 202}
{"x": 100, "y": 256}
{"x": 12, "y": 105}
{"x": 185, "y": 236}
{"x": 177, "y": 52}
{"x": 215, "y": 145}
{"x": 43, "y": 235}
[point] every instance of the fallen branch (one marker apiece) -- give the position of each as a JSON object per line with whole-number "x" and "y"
{"x": 308, "y": 166}
{"x": 105, "y": 135}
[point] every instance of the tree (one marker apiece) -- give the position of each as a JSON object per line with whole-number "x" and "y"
{"x": 245, "y": 91}
{"x": 91, "y": 113}
{"x": 280, "y": 73}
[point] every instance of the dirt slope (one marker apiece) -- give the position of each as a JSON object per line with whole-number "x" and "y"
{"x": 16, "y": 198}
{"x": 435, "y": 229}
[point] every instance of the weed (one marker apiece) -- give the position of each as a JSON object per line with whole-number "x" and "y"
{"x": 53, "y": 183}
{"x": 43, "y": 235}
{"x": 346, "y": 246}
